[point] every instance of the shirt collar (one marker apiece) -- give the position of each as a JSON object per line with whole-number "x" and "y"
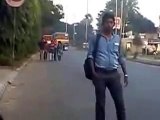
{"x": 113, "y": 35}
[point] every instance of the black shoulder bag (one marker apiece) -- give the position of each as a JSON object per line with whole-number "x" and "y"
{"x": 87, "y": 67}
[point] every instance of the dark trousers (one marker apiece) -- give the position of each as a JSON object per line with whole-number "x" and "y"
{"x": 55, "y": 54}
{"x": 111, "y": 80}
{"x": 45, "y": 55}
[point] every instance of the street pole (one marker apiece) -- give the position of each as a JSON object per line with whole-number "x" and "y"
{"x": 116, "y": 14}
{"x": 122, "y": 27}
{"x": 74, "y": 32}
{"x": 66, "y": 23}
{"x": 66, "y": 26}
{"x": 86, "y": 33}
{"x": 14, "y": 36}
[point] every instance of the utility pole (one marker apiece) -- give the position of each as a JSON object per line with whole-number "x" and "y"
{"x": 122, "y": 26}
{"x": 66, "y": 26}
{"x": 116, "y": 14}
{"x": 74, "y": 31}
{"x": 86, "y": 33}
{"x": 66, "y": 16}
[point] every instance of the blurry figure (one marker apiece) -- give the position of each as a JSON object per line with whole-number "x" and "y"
{"x": 59, "y": 50}
{"x": 52, "y": 48}
{"x": 55, "y": 49}
{"x": 46, "y": 47}
{"x": 41, "y": 45}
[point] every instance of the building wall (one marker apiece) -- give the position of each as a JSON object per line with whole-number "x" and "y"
{"x": 133, "y": 48}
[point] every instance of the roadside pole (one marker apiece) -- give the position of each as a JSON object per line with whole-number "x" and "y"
{"x": 122, "y": 26}
{"x": 86, "y": 33}
{"x": 14, "y": 4}
{"x": 14, "y": 36}
{"x": 66, "y": 24}
{"x": 116, "y": 15}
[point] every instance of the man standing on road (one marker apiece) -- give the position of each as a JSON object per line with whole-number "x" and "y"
{"x": 105, "y": 68}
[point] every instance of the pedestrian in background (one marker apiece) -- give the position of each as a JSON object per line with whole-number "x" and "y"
{"x": 46, "y": 48}
{"x": 55, "y": 50}
{"x": 104, "y": 58}
{"x": 41, "y": 45}
{"x": 51, "y": 51}
{"x": 59, "y": 50}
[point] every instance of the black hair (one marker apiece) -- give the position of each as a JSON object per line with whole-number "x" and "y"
{"x": 59, "y": 42}
{"x": 107, "y": 15}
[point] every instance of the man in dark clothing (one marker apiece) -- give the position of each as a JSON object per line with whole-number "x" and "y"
{"x": 105, "y": 68}
{"x": 41, "y": 48}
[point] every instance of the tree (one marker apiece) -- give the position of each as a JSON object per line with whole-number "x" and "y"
{"x": 88, "y": 18}
{"x": 81, "y": 29}
{"x": 141, "y": 24}
{"x": 28, "y": 27}
{"x": 131, "y": 16}
{"x": 51, "y": 15}
{"x": 137, "y": 42}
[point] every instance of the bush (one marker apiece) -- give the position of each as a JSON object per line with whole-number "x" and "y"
{"x": 5, "y": 60}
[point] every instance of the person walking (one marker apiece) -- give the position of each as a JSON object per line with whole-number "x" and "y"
{"x": 59, "y": 50}
{"x": 55, "y": 50}
{"x": 46, "y": 48}
{"x": 51, "y": 51}
{"x": 41, "y": 48}
{"x": 105, "y": 56}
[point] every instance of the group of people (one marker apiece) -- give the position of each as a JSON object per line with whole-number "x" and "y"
{"x": 52, "y": 51}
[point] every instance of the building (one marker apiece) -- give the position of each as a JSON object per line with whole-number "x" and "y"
{"x": 151, "y": 43}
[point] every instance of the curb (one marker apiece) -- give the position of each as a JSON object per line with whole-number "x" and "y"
{"x": 144, "y": 62}
{"x": 9, "y": 80}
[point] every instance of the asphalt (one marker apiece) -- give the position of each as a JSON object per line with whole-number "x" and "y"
{"x": 59, "y": 91}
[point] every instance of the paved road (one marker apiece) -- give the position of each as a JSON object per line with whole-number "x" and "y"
{"x": 59, "y": 91}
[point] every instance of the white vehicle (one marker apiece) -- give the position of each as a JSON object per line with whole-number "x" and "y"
{"x": 65, "y": 48}
{"x": 85, "y": 45}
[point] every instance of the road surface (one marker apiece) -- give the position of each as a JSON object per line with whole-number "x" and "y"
{"x": 59, "y": 91}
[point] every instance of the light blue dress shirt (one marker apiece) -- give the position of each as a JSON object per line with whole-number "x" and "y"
{"x": 108, "y": 54}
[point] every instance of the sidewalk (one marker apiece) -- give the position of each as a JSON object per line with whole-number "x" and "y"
{"x": 7, "y": 75}
{"x": 145, "y": 60}
{"x": 4, "y": 72}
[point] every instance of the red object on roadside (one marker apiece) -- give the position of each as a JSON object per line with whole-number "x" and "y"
{"x": 54, "y": 43}
{"x": 15, "y": 3}
{"x": 16, "y": 0}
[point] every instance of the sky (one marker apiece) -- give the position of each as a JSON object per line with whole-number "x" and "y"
{"x": 76, "y": 9}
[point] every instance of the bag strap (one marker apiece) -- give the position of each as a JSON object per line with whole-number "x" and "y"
{"x": 96, "y": 46}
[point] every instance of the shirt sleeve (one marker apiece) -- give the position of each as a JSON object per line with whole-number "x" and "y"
{"x": 91, "y": 49}
{"x": 121, "y": 59}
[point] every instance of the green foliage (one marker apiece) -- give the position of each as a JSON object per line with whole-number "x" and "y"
{"x": 80, "y": 36}
{"x": 136, "y": 22}
{"x": 29, "y": 18}
{"x": 51, "y": 14}
{"x": 80, "y": 30}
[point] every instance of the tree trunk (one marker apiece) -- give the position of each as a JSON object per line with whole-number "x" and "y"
{"x": 136, "y": 53}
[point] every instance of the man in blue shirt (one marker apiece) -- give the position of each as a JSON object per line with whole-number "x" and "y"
{"x": 105, "y": 69}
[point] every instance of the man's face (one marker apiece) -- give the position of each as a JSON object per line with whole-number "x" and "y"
{"x": 108, "y": 25}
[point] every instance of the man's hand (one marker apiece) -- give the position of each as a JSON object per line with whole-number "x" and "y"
{"x": 125, "y": 80}
{"x": 95, "y": 76}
